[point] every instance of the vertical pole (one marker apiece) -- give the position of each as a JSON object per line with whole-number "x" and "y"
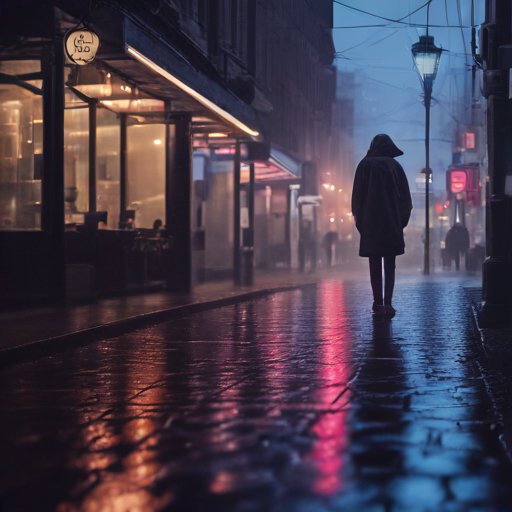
{"x": 47, "y": 178}
{"x": 428, "y": 93}
{"x": 92, "y": 156}
{"x": 122, "y": 172}
{"x": 302, "y": 248}
{"x": 251, "y": 197}
{"x": 249, "y": 251}
{"x": 497, "y": 270}
{"x": 288, "y": 238}
{"x": 178, "y": 202}
{"x": 53, "y": 168}
{"x": 236, "y": 215}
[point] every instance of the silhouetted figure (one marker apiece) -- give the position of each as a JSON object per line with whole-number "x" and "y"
{"x": 457, "y": 242}
{"x": 330, "y": 239}
{"x": 381, "y": 205}
{"x": 478, "y": 257}
{"x": 158, "y": 229}
{"x": 307, "y": 246}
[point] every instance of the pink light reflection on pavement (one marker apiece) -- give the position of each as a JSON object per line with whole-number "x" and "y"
{"x": 330, "y": 428}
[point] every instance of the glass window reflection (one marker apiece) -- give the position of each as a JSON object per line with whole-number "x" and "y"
{"x": 146, "y": 173}
{"x": 108, "y": 161}
{"x": 20, "y": 157}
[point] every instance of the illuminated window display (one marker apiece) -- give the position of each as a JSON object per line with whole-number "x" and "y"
{"x": 76, "y": 158}
{"x": 21, "y": 119}
{"x": 146, "y": 173}
{"x": 108, "y": 161}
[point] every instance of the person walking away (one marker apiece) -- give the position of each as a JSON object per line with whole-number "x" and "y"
{"x": 457, "y": 242}
{"x": 381, "y": 206}
{"x": 330, "y": 239}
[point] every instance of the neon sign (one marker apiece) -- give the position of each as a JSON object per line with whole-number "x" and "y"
{"x": 458, "y": 181}
{"x": 468, "y": 140}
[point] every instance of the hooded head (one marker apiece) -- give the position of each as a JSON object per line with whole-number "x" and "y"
{"x": 382, "y": 145}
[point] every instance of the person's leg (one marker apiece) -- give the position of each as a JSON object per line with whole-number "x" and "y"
{"x": 389, "y": 275}
{"x": 457, "y": 260}
{"x": 376, "y": 278}
{"x": 328, "y": 254}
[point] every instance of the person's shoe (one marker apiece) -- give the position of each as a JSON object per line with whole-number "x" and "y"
{"x": 389, "y": 310}
{"x": 378, "y": 307}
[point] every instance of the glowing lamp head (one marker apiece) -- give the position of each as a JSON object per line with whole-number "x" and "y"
{"x": 426, "y": 57}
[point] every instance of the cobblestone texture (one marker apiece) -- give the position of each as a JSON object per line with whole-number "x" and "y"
{"x": 301, "y": 401}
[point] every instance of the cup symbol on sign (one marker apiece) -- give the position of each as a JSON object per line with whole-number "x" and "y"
{"x": 81, "y": 45}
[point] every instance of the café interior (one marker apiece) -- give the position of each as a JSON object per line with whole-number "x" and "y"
{"x": 131, "y": 135}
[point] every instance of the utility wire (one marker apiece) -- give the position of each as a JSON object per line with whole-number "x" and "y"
{"x": 403, "y": 25}
{"x": 459, "y": 12}
{"x": 446, "y": 110}
{"x": 382, "y": 17}
{"x": 366, "y": 40}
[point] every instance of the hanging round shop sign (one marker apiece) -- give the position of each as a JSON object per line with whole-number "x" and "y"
{"x": 81, "y": 45}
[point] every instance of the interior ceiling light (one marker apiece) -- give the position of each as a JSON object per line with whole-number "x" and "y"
{"x": 217, "y": 135}
{"x": 184, "y": 87}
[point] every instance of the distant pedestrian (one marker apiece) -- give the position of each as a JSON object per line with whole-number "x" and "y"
{"x": 381, "y": 205}
{"x": 307, "y": 245}
{"x": 330, "y": 239}
{"x": 457, "y": 243}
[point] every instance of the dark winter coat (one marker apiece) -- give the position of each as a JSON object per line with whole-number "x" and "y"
{"x": 381, "y": 200}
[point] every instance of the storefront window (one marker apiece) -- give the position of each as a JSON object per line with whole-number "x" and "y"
{"x": 21, "y": 152}
{"x": 76, "y": 160}
{"x": 108, "y": 161}
{"x": 146, "y": 173}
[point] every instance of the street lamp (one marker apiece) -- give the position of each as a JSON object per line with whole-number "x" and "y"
{"x": 426, "y": 57}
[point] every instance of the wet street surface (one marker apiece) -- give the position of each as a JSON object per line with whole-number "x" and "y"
{"x": 300, "y": 401}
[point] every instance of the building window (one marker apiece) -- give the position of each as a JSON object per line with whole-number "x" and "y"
{"x": 202, "y": 11}
{"x": 241, "y": 30}
{"x": 76, "y": 157}
{"x": 146, "y": 173}
{"x": 187, "y": 7}
{"x": 108, "y": 163}
{"x": 21, "y": 149}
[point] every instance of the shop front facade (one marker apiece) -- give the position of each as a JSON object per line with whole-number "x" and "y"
{"x": 96, "y": 174}
{"x": 130, "y": 172}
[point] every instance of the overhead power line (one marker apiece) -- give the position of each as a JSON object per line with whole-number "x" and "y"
{"x": 366, "y": 40}
{"x": 406, "y": 25}
{"x": 382, "y": 17}
{"x": 399, "y": 20}
{"x": 459, "y": 12}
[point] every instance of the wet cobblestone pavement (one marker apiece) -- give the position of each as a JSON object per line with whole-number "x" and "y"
{"x": 301, "y": 401}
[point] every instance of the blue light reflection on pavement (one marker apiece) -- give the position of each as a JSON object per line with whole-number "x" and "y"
{"x": 299, "y": 401}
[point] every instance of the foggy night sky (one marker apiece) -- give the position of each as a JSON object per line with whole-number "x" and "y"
{"x": 384, "y": 54}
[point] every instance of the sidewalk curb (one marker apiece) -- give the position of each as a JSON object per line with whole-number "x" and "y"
{"x": 49, "y": 346}
{"x": 478, "y": 329}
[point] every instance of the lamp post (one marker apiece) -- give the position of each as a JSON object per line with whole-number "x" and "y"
{"x": 426, "y": 57}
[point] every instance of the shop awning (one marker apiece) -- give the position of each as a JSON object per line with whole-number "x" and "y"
{"x": 278, "y": 166}
{"x": 162, "y": 71}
